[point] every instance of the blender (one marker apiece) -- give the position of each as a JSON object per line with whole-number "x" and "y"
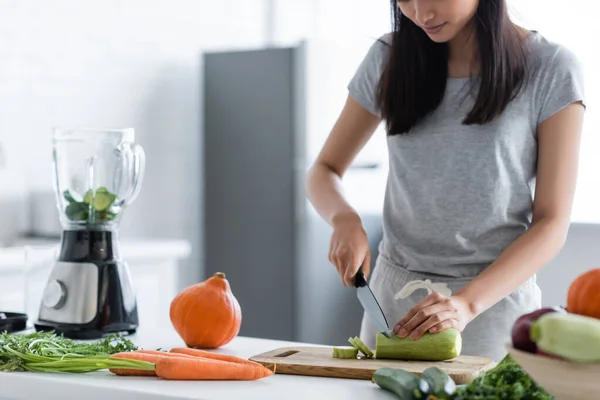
{"x": 97, "y": 174}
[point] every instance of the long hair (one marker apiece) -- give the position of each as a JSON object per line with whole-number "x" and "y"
{"x": 413, "y": 81}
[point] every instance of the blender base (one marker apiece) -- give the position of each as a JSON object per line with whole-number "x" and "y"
{"x": 89, "y": 293}
{"x": 81, "y": 332}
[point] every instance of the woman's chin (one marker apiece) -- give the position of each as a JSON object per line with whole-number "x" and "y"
{"x": 442, "y": 36}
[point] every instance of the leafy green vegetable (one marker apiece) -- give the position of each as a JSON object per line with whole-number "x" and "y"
{"x": 507, "y": 380}
{"x": 46, "y": 351}
{"x": 95, "y": 206}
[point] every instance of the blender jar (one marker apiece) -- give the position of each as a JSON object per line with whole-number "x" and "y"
{"x": 97, "y": 173}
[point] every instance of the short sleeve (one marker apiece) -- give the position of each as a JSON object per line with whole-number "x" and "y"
{"x": 562, "y": 84}
{"x": 364, "y": 83}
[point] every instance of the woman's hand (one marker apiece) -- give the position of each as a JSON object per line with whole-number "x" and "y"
{"x": 349, "y": 247}
{"x": 435, "y": 313}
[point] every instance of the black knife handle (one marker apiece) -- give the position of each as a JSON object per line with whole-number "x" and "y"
{"x": 359, "y": 279}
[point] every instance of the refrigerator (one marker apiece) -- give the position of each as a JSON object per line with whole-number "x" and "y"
{"x": 266, "y": 113}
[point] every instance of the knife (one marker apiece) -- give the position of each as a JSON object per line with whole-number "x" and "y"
{"x": 370, "y": 304}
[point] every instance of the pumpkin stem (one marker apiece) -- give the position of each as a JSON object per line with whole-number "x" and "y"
{"x": 219, "y": 275}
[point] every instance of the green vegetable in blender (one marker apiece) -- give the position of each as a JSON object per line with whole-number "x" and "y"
{"x": 101, "y": 200}
{"x": 48, "y": 352}
{"x": 95, "y": 203}
{"x": 77, "y": 211}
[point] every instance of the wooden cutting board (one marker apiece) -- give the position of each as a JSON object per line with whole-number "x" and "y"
{"x": 318, "y": 361}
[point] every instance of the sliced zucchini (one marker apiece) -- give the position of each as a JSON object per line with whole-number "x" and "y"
{"x": 403, "y": 384}
{"x": 345, "y": 352}
{"x": 363, "y": 347}
{"x": 359, "y": 344}
{"x": 441, "y": 384}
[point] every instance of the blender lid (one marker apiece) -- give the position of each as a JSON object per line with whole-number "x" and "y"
{"x": 12, "y": 322}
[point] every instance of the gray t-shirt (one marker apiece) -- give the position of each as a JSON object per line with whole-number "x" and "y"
{"x": 458, "y": 195}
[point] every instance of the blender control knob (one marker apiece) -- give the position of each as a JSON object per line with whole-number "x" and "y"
{"x": 54, "y": 295}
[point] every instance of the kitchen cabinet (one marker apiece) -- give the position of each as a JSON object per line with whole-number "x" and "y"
{"x": 153, "y": 266}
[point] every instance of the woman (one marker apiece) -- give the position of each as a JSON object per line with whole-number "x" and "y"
{"x": 481, "y": 115}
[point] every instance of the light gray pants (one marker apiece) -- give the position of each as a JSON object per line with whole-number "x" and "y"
{"x": 485, "y": 336}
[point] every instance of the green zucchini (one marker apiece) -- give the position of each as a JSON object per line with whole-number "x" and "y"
{"x": 345, "y": 352}
{"x": 570, "y": 336}
{"x": 404, "y": 384}
{"x": 441, "y": 346}
{"x": 361, "y": 346}
{"x": 440, "y": 383}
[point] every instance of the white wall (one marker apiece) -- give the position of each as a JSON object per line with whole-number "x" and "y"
{"x": 580, "y": 253}
{"x": 118, "y": 63}
{"x": 137, "y": 63}
{"x": 574, "y": 26}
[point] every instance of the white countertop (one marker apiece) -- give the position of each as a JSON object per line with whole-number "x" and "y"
{"x": 103, "y": 385}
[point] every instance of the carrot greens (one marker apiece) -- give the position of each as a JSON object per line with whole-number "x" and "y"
{"x": 48, "y": 352}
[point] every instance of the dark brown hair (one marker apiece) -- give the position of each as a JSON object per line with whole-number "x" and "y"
{"x": 413, "y": 81}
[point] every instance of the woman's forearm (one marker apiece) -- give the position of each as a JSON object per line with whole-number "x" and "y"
{"x": 516, "y": 264}
{"x": 350, "y": 133}
{"x": 325, "y": 192}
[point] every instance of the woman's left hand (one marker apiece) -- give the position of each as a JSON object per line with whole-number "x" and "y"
{"x": 435, "y": 313}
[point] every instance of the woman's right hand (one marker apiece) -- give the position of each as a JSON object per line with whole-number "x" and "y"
{"x": 349, "y": 247}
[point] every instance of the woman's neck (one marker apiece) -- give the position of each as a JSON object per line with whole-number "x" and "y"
{"x": 463, "y": 61}
{"x": 462, "y": 57}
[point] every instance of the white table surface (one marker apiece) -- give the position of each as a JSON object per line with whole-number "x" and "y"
{"x": 103, "y": 385}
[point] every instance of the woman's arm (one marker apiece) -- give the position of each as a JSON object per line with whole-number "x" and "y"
{"x": 349, "y": 245}
{"x": 559, "y": 139}
{"x": 352, "y": 130}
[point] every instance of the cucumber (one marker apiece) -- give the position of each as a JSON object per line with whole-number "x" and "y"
{"x": 440, "y": 346}
{"x": 101, "y": 200}
{"x": 570, "y": 336}
{"x": 345, "y": 352}
{"x": 95, "y": 206}
{"x": 361, "y": 346}
{"x": 404, "y": 384}
{"x": 440, "y": 383}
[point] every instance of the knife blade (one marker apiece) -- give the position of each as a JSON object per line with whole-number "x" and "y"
{"x": 370, "y": 304}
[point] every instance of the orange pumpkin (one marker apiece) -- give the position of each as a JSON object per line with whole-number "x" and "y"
{"x": 206, "y": 315}
{"x": 583, "y": 296}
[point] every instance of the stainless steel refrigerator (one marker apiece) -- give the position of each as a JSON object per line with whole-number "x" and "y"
{"x": 266, "y": 113}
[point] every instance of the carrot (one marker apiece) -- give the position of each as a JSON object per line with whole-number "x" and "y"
{"x": 175, "y": 368}
{"x": 163, "y": 353}
{"x": 133, "y": 355}
{"x": 142, "y": 355}
{"x": 214, "y": 356}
